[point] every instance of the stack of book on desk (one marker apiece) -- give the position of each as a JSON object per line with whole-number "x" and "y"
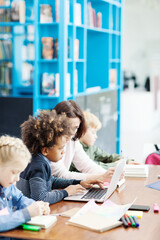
{"x": 136, "y": 170}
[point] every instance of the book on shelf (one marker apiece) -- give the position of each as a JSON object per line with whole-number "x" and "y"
{"x": 57, "y": 79}
{"x": 99, "y": 20}
{"x": 18, "y": 11}
{"x": 94, "y": 19}
{"x": 50, "y": 84}
{"x": 46, "y": 13}
{"x": 5, "y": 49}
{"x": 77, "y": 14}
{"x": 112, "y": 77}
{"x": 47, "y": 47}
{"x": 22, "y": 11}
{"x": 57, "y": 10}
{"x": 55, "y": 46}
{"x": 132, "y": 170}
{"x": 5, "y": 2}
{"x": 27, "y": 74}
{"x": 68, "y": 84}
{"x": 28, "y": 52}
{"x": 75, "y": 82}
{"x": 44, "y": 221}
{"x": 5, "y": 73}
{"x": 76, "y": 49}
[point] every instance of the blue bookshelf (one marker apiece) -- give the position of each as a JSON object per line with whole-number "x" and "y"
{"x": 77, "y": 51}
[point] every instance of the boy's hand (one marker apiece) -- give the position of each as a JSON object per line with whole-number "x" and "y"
{"x": 73, "y": 189}
{"x": 89, "y": 183}
{"x": 38, "y": 208}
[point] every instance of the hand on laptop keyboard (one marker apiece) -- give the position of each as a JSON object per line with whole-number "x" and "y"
{"x": 74, "y": 189}
{"x": 89, "y": 182}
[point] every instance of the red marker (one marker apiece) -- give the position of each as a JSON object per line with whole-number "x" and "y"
{"x": 156, "y": 208}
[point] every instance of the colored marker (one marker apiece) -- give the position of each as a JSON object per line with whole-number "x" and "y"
{"x": 135, "y": 219}
{"x": 125, "y": 224}
{"x": 133, "y": 224}
{"x": 127, "y": 219}
{"x": 31, "y": 227}
{"x": 156, "y": 208}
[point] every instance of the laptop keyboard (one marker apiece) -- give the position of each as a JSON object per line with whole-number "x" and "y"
{"x": 95, "y": 193}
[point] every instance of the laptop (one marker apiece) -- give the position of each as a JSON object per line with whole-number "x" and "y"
{"x": 98, "y": 194}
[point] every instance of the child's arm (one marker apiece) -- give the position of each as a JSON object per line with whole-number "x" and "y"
{"x": 102, "y": 156}
{"x": 14, "y": 219}
{"x": 19, "y": 200}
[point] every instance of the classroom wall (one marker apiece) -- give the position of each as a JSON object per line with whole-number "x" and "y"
{"x": 141, "y": 39}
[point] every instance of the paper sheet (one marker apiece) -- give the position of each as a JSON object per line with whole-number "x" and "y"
{"x": 108, "y": 209}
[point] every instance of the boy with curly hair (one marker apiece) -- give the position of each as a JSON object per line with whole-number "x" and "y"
{"x": 46, "y": 136}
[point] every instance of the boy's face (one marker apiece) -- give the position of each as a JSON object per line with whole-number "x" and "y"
{"x": 10, "y": 172}
{"x": 89, "y": 137}
{"x": 55, "y": 153}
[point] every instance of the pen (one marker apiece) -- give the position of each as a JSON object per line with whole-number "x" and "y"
{"x": 133, "y": 224}
{"x": 31, "y": 227}
{"x": 127, "y": 219}
{"x": 125, "y": 224}
{"x": 135, "y": 220}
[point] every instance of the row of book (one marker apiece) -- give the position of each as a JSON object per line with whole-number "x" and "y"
{"x": 94, "y": 19}
{"x": 17, "y": 12}
{"x": 50, "y": 83}
{"x": 5, "y": 2}
{"x": 50, "y": 13}
{"x": 50, "y": 48}
{"x": 5, "y": 49}
{"x": 5, "y": 73}
{"x": 28, "y": 52}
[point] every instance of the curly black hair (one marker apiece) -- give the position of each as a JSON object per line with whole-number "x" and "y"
{"x": 44, "y": 129}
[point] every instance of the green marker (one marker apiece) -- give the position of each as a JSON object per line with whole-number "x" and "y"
{"x": 31, "y": 227}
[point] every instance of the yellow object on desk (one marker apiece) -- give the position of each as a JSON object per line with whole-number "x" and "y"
{"x": 138, "y": 214}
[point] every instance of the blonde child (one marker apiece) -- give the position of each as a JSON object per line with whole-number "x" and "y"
{"x": 15, "y": 209}
{"x": 46, "y": 136}
{"x": 95, "y": 153}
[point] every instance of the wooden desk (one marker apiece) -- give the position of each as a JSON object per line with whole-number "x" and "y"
{"x": 134, "y": 187}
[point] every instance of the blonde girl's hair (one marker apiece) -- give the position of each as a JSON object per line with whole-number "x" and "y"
{"x": 11, "y": 147}
{"x": 91, "y": 120}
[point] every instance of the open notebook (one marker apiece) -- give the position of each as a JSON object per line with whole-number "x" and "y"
{"x": 98, "y": 194}
{"x": 44, "y": 221}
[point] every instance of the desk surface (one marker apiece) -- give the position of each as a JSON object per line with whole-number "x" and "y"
{"x": 134, "y": 187}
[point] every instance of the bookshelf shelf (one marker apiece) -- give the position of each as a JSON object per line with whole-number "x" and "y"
{"x": 76, "y": 51}
{"x": 5, "y": 7}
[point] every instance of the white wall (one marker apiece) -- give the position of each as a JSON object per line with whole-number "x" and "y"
{"x": 141, "y": 38}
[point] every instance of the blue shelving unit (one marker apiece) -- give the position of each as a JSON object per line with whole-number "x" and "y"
{"x": 88, "y": 33}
